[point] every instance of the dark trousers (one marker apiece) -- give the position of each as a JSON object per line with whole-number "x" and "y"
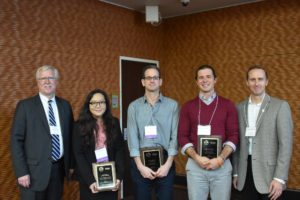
{"x": 53, "y": 191}
{"x": 249, "y": 191}
{"x": 143, "y": 186}
{"x": 86, "y": 194}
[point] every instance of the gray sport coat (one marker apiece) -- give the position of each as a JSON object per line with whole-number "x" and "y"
{"x": 272, "y": 144}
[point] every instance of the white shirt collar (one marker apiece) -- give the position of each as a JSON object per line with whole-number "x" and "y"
{"x": 258, "y": 104}
{"x": 46, "y": 99}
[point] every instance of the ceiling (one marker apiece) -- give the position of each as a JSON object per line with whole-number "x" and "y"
{"x": 173, "y": 8}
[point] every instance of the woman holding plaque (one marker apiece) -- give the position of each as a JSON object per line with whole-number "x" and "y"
{"x": 97, "y": 141}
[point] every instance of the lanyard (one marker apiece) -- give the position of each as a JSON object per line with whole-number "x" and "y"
{"x": 154, "y": 110}
{"x": 213, "y": 114}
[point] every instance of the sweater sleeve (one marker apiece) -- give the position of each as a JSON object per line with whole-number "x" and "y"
{"x": 232, "y": 126}
{"x": 184, "y": 127}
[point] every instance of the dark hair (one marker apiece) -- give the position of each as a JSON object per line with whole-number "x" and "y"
{"x": 205, "y": 67}
{"x": 150, "y": 67}
{"x": 256, "y": 67}
{"x": 88, "y": 124}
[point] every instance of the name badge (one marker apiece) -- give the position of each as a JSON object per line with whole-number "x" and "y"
{"x": 150, "y": 132}
{"x": 101, "y": 155}
{"x": 54, "y": 130}
{"x": 204, "y": 130}
{"x": 250, "y": 131}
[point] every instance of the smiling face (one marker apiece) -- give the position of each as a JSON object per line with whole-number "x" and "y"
{"x": 206, "y": 80}
{"x": 47, "y": 83}
{"x": 97, "y": 105}
{"x": 257, "y": 82}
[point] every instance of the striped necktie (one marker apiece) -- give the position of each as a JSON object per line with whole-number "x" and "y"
{"x": 55, "y": 137}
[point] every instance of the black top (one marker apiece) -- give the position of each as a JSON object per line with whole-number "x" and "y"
{"x": 84, "y": 157}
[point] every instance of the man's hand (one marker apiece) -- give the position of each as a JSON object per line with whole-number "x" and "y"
{"x": 234, "y": 182}
{"x": 165, "y": 168}
{"x": 24, "y": 181}
{"x": 201, "y": 161}
{"x": 71, "y": 172}
{"x": 162, "y": 171}
{"x": 275, "y": 190}
{"x": 214, "y": 163}
{"x": 146, "y": 172}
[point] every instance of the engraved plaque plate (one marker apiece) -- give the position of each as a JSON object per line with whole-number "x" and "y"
{"x": 209, "y": 146}
{"x": 105, "y": 175}
{"x": 152, "y": 157}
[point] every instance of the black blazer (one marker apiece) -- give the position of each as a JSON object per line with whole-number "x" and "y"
{"x": 84, "y": 157}
{"x": 31, "y": 140}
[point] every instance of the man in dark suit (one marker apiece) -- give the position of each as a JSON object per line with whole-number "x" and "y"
{"x": 40, "y": 140}
{"x": 261, "y": 162}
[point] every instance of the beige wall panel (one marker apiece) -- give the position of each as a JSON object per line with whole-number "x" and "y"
{"x": 83, "y": 39}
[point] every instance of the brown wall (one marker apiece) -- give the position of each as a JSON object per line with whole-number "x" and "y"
{"x": 232, "y": 39}
{"x": 84, "y": 39}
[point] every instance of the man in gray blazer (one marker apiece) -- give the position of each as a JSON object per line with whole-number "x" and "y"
{"x": 261, "y": 162}
{"x": 40, "y": 140}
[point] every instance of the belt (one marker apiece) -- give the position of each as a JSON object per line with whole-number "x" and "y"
{"x": 58, "y": 161}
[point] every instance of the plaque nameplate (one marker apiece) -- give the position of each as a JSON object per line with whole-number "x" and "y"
{"x": 105, "y": 175}
{"x": 209, "y": 146}
{"x": 152, "y": 157}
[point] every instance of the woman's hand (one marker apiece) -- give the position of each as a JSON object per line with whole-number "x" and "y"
{"x": 116, "y": 188}
{"x": 93, "y": 188}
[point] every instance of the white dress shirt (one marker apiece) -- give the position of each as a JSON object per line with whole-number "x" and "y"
{"x": 45, "y": 100}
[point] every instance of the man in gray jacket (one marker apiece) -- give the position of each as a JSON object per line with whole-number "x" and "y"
{"x": 261, "y": 162}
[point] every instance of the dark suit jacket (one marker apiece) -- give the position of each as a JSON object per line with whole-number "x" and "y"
{"x": 84, "y": 157}
{"x": 31, "y": 140}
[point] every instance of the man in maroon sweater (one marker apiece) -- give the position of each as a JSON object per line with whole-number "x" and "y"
{"x": 210, "y": 116}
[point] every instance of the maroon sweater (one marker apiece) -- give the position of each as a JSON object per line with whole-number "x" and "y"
{"x": 224, "y": 122}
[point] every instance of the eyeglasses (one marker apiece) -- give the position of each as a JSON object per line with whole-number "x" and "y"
{"x": 149, "y": 78}
{"x": 97, "y": 103}
{"x": 50, "y": 78}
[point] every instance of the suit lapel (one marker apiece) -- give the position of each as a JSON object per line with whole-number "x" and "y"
{"x": 60, "y": 109}
{"x": 41, "y": 112}
{"x": 262, "y": 112}
{"x": 245, "y": 120}
{"x": 245, "y": 112}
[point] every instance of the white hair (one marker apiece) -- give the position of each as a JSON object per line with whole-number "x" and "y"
{"x": 46, "y": 68}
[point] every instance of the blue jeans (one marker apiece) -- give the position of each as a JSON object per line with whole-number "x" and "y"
{"x": 143, "y": 186}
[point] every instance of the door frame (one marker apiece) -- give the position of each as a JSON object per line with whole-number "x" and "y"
{"x": 156, "y": 62}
